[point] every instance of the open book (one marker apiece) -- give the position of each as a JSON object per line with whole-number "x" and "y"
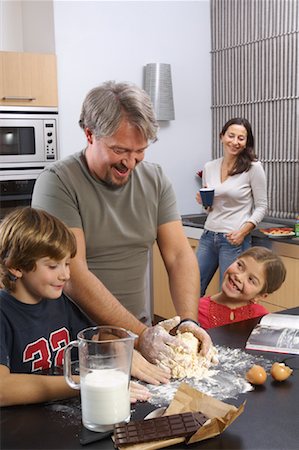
{"x": 277, "y": 333}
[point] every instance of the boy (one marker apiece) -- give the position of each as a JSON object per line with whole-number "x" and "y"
{"x": 37, "y": 320}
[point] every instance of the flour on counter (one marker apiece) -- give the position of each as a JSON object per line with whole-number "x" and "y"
{"x": 226, "y": 380}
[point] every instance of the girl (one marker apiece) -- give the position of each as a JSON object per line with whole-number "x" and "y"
{"x": 255, "y": 274}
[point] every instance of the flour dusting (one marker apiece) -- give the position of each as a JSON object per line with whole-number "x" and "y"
{"x": 226, "y": 380}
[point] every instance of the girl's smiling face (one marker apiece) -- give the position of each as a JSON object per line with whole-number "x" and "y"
{"x": 244, "y": 280}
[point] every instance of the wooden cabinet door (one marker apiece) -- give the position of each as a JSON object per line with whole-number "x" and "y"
{"x": 162, "y": 301}
{"x": 44, "y": 79}
{"x": 16, "y": 79}
{"x": 28, "y": 79}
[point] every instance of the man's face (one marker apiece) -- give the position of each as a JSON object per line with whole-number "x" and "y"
{"x": 112, "y": 159}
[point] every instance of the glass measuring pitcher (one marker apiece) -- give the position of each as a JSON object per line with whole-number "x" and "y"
{"x": 105, "y": 358}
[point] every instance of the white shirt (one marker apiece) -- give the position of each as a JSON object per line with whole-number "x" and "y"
{"x": 240, "y": 198}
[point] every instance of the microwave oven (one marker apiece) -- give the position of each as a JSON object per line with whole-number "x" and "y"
{"x": 28, "y": 138}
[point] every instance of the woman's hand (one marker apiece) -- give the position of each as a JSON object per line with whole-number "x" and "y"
{"x": 198, "y": 198}
{"x": 235, "y": 237}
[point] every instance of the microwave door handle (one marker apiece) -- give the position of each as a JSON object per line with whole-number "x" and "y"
{"x": 13, "y": 97}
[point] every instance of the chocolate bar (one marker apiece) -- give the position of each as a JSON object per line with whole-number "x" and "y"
{"x": 175, "y": 425}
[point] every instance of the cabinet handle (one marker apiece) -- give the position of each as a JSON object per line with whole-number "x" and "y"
{"x": 11, "y": 97}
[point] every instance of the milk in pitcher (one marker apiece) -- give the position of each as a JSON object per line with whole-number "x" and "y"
{"x": 105, "y": 399}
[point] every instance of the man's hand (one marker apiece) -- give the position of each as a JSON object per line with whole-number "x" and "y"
{"x": 200, "y": 334}
{"x": 154, "y": 342}
{"x": 145, "y": 371}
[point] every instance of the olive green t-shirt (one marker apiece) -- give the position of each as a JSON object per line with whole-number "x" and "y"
{"x": 120, "y": 225}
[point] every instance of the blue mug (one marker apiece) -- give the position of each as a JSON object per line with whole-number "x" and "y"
{"x": 207, "y": 196}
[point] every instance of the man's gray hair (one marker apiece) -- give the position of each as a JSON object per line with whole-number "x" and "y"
{"x": 106, "y": 105}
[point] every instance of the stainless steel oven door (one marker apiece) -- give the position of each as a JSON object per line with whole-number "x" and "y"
{"x": 16, "y": 189}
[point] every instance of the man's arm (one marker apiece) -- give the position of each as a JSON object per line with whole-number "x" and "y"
{"x": 182, "y": 268}
{"x": 183, "y": 272}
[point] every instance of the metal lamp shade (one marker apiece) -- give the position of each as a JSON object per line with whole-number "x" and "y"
{"x": 158, "y": 84}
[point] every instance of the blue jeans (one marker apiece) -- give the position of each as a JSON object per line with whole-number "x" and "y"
{"x": 214, "y": 250}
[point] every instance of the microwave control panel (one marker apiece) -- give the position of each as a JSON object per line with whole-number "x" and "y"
{"x": 50, "y": 139}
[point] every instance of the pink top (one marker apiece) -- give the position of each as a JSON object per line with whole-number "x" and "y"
{"x": 212, "y": 314}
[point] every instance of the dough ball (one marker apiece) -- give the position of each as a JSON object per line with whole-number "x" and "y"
{"x": 189, "y": 363}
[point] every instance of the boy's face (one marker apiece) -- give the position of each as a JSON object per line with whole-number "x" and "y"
{"x": 47, "y": 280}
{"x": 244, "y": 280}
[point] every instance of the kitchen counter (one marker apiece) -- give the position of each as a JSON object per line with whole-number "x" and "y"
{"x": 269, "y": 420}
{"x": 259, "y": 238}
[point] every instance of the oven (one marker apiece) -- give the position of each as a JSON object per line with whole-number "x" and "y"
{"x": 16, "y": 189}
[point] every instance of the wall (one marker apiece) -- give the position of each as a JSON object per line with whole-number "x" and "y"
{"x": 11, "y": 26}
{"x": 100, "y": 40}
{"x": 27, "y": 26}
{"x": 96, "y": 41}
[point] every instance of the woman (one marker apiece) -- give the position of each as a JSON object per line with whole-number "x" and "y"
{"x": 240, "y": 201}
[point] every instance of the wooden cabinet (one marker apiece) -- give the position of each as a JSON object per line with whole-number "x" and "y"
{"x": 287, "y": 295}
{"x": 162, "y": 301}
{"x": 28, "y": 79}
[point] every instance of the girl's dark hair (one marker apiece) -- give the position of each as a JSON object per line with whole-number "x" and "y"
{"x": 248, "y": 155}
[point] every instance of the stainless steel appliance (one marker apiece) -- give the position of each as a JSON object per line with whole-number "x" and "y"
{"x": 16, "y": 189}
{"x": 28, "y": 137}
{"x": 28, "y": 142}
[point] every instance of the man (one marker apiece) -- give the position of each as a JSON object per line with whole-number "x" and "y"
{"x": 117, "y": 205}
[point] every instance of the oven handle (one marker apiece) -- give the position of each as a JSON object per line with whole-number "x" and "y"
{"x": 30, "y": 175}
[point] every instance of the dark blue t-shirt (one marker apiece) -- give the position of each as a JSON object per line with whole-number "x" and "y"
{"x": 33, "y": 337}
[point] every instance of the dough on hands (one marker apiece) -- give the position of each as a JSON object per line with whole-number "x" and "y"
{"x": 189, "y": 363}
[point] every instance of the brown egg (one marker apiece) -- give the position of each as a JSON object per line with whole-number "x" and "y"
{"x": 280, "y": 371}
{"x": 256, "y": 375}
